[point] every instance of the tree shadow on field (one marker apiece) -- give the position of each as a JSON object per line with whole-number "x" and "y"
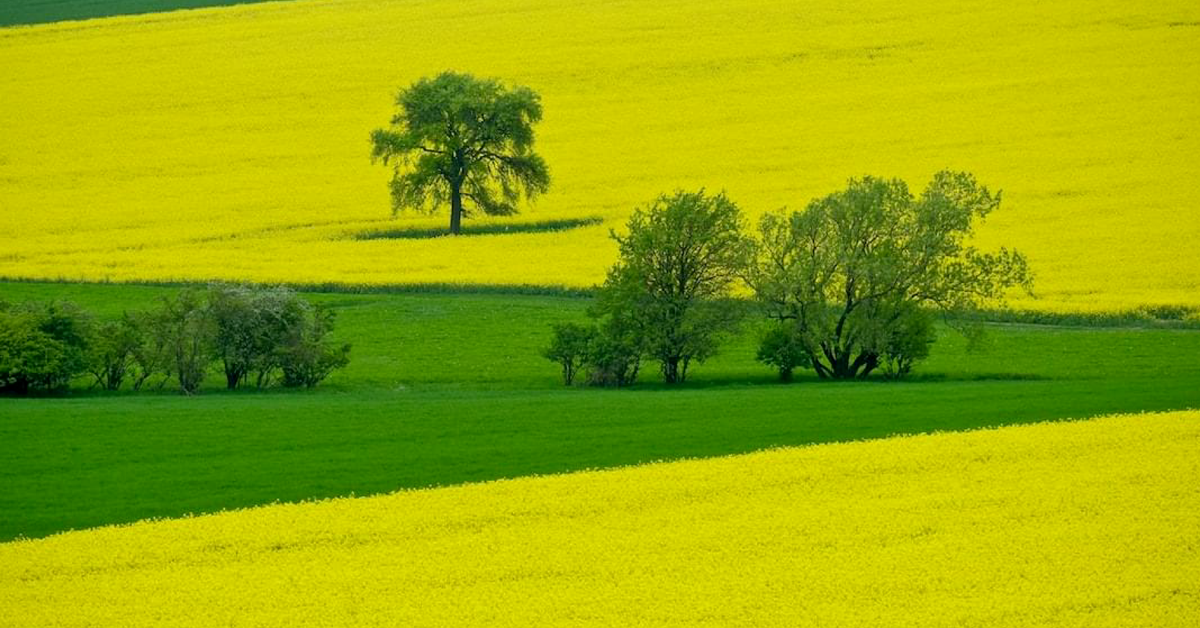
{"x": 495, "y": 228}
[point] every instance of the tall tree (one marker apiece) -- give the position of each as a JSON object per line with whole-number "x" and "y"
{"x": 464, "y": 141}
{"x": 857, "y": 271}
{"x": 670, "y": 288}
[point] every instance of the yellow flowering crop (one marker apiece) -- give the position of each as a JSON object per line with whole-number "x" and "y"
{"x": 1088, "y": 524}
{"x": 232, "y": 142}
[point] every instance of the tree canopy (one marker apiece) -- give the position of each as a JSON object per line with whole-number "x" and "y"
{"x": 464, "y": 141}
{"x": 678, "y": 263}
{"x": 857, "y": 271}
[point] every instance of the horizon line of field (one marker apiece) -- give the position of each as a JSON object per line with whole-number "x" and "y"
{"x": 1143, "y": 316}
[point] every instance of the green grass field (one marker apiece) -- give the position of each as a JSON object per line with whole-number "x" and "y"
{"x": 15, "y": 12}
{"x": 449, "y": 388}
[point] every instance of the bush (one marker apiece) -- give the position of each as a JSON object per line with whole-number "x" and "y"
{"x": 252, "y": 324}
{"x": 307, "y": 357}
{"x": 149, "y": 354}
{"x": 782, "y": 348}
{"x": 42, "y": 347}
{"x": 569, "y": 348}
{"x": 613, "y": 359}
{"x": 909, "y": 342}
{"x": 111, "y": 352}
{"x": 185, "y": 327}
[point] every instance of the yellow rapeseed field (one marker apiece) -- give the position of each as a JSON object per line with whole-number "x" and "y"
{"x": 1089, "y": 524}
{"x": 232, "y": 142}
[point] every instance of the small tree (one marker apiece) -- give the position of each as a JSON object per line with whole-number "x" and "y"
{"x": 252, "y": 323}
{"x": 677, "y": 265}
{"x": 307, "y": 356}
{"x": 43, "y": 346}
{"x": 614, "y": 354}
{"x": 782, "y": 348}
{"x": 111, "y": 353}
{"x": 853, "y": 270}
{"x": 185, "y": 326}
{"x": 463, "y": 141}
{"x": 569, "y": 348}
{"x": 150, "y": 354}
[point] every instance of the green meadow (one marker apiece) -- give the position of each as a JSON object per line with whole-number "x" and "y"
{"x": 445, "y": 388}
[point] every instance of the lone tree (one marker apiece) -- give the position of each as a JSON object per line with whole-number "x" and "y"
{"x": 459, "y": 139}
{"x": 670, "y": 288}
{"x": 857, "y": 272}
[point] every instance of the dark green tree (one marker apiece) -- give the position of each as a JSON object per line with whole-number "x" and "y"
{"x": 782, "y": 347}
{"x": 464, "y": 141}
{"x": 854, "y": 269}
{"x": 569, "y": 348}
{"x": 187, "y": 330}
{"x": 43, "y": 346}
{"x": 670, "y": 287}
{"x": 253, "y": 322}
{"x": 307, "y": 355}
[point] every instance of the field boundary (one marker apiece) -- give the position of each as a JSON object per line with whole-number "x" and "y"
{"x": 1149, "y": 317}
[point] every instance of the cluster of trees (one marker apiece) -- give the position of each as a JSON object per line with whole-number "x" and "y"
{"x": 263, "y": 336}
{"x": 850, "y": 285}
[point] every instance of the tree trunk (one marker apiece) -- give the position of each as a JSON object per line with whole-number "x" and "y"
{"x": 455, "y": 208}
{"x": 233, "y": 376}
{"x": 670, "y": 369}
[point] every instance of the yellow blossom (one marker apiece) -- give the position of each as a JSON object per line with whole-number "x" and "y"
{"x": 1090, "y": 524}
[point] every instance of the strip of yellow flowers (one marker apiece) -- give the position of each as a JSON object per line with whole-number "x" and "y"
{"x": 1089, "y": 524}
{"x": 231, "y": 143}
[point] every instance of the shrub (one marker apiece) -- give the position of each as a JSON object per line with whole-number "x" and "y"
{"x": 781, "y": 347}
{"x": 909, "y": 342}
{"x": 185, "y": 327}
{"x": 43, "y": 346}
{"x": 111, "y": 352}
{"x": 613, "y": 358}
{"x": 149, "y": 354}
{"x": 252, "y": 324}
{"x": 307, "y": 356}
{"x": 569, "y": 348}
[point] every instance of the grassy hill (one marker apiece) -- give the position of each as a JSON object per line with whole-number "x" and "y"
{"x": 232, "y": 142}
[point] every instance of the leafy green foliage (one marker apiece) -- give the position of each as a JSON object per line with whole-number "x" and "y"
{"x": 782, "y": 348}
{"x": 307, "y": 356}
{"x": 456, "y": 138}
{"x": 909, "y": 341}
{"x": 669, "y": 289}
{"x": 42, "y": 346}
{"x": 569, "y": 348}
{"x": 188, "y": 332}
{"x": 614, "y": 355}
{"x": 253, "y": 324}
{"x": 112, "y": 351}
{"x": 850, "y": 268}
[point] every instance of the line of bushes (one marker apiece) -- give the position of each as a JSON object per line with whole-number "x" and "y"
{"x": 254, "y": 335}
